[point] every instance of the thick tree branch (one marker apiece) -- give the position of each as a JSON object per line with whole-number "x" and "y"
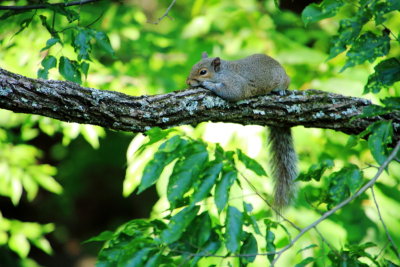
{"x": 70, "y": 102}
{"x": 43, "y": 6}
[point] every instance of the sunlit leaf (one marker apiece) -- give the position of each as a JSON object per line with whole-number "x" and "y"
{"x": 43, "y": 244}
{"x": 19, "y": 244}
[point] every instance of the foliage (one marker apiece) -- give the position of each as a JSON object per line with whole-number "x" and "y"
{"x": 213, "y": 206}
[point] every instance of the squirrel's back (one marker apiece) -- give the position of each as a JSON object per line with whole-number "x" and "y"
{"x": 265, "y": 72}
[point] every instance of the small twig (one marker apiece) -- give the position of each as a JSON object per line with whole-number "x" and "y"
{"x": 166, "y": 13}
{"x": 44, "y": 6}
{"x": 269, "y": 204}
{"x": 396, "y": 250}
{"x": 325, "y": 241}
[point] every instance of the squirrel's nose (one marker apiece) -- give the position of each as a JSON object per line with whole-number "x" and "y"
{"x": 188, "y": 81}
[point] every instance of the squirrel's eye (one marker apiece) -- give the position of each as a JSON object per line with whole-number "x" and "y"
{"x": 203, "y": 72}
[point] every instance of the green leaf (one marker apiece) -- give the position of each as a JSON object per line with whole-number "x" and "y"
{"x": 50, "y": 42}
{"x": 85, "y": 68}
{"x": 154, "y": 261}
{"x": 19, "y": 244}
{"x": 250, "y": 163}
{"x": 270, "y": 238}
{"x": 210, "y": 176}
{"x": 391, "y": 102}
{"x": 104, "y": 236}
{"x": 316, "y": 171}
{"x": 48, "y": 62}
{"x": 69, "y": 70}
{"x": 249, "y": 247}
{"x": 42, "y": 244}
{"x": 343, "y": 183}
{"x": 233, "y": 229}
{"x": 185, "y": 171}
{"x": 348, "y": 32}
{"x": 16, "y": 189}
{"x": 81, "y": 44}
{"x": 30, "y": 186}
{"x": 154, "y": 168}
{"x": 178, "y": 224}
{"x": 103, "y": 41}
{"x": 373, "y": 110}
{"x": 386, "y": 74}
{"x": 155, "y": 134}
{"x": 247, "y": 208}
{"x": 384, "y": 7}
{"x": 210, "y": 248}
{"x": 222, "y": 189}
{"x": 308, "y": 247}
{"x": 135, "y": 259}
{"x": 48, "y": 183}
{"x": 200, "y": 230}
{"x": 367, "y": 47}
{"x": 171, "y": 144}
{"x": 304, "y": 262}
{"x": 380, "y": 137}
{"x": 317, "y": 12}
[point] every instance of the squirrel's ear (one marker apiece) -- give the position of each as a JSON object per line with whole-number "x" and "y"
{"x": 204, "y": 55}
{"x": 216, "y": 63}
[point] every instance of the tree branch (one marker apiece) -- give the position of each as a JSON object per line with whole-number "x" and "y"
{"x": 70, "y": 102}
{"x": 43, "y": 6}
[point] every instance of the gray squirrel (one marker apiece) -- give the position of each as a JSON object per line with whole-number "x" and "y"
{"x": 254, "y": 75}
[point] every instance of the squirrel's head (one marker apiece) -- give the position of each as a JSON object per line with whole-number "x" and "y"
{"x": 204, "y": 70}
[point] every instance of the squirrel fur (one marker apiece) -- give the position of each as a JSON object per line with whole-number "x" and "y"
{"x": 254, "y": 75}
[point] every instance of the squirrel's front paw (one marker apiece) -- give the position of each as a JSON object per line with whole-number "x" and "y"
{"x": 212, "y": 86}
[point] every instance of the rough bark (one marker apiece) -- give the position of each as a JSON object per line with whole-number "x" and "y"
{"x": 70, "y": 102}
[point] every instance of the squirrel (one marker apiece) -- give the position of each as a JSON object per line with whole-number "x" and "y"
{"x": 254, "y": 75}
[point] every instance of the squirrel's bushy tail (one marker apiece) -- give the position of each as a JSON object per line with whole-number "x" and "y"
{"x": 283, "y": 162}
